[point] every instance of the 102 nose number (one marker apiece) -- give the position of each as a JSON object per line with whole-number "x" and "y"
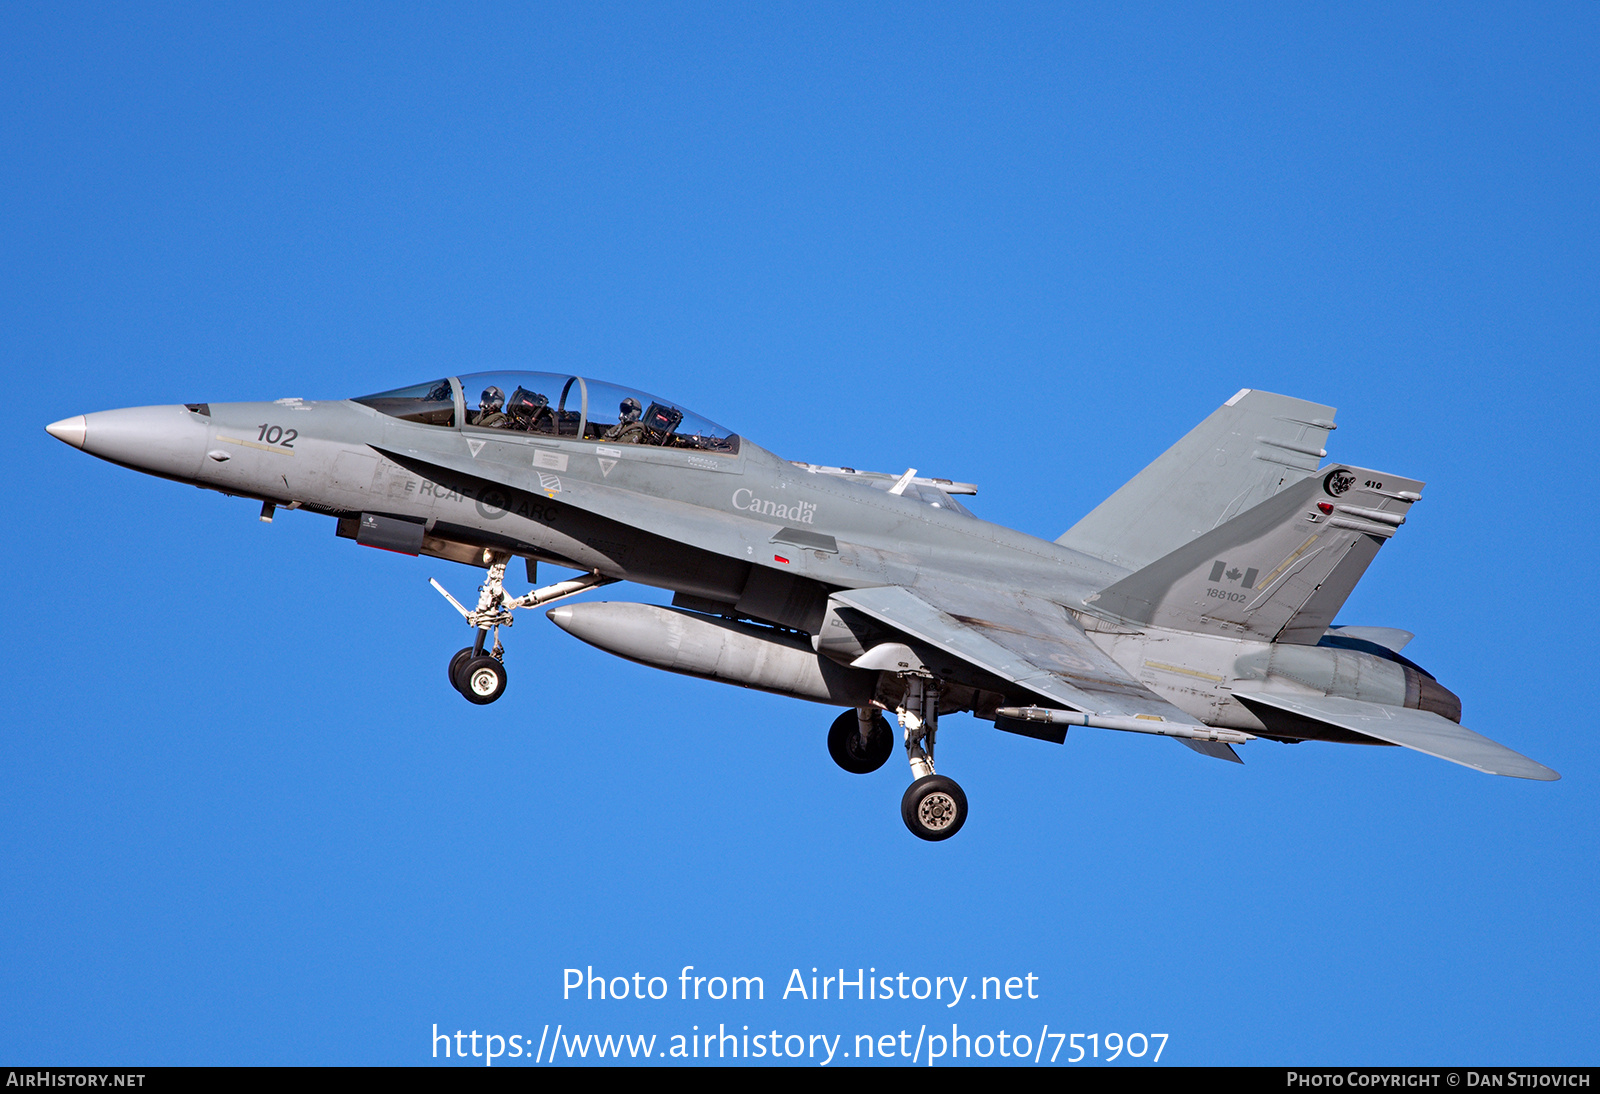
{"x": 276, "y": 434}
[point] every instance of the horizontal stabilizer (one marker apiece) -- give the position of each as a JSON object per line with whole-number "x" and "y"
{"x": 1417, "y": 729}
{"x": 1249, "y": 448}
{"x": 1390, "y": 638}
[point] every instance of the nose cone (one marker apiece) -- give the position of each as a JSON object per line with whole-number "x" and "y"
{"x": 159, "y": 440}
{"x": 69, "y": 430}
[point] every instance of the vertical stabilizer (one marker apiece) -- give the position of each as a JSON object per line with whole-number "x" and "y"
{"x": 1251, "y": 447}
{"x": 1279, "y": 572}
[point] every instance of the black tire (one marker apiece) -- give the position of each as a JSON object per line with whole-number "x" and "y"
{"x": 457, "y": 663}
{"x": 483, "y": 680}
{"x": 844, "y": 743}
{"x": 934, "y": 808}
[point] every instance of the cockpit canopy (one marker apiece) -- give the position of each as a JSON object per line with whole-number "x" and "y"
{"x": 555, "y": 406}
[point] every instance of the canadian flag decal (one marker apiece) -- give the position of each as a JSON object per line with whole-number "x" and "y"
{"x": 1245, "y": 579}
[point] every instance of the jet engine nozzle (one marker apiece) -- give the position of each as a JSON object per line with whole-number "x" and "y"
{"x": 1423, "y": 692}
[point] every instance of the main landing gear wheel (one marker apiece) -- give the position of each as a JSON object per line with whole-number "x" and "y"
{"x": 934, "y": 808}
{"x": 457, "y": 663}
{"x": 844, "y": 743}
{"x": 484, "y": 680}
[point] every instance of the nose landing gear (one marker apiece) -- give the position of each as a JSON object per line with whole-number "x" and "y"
{"x": 481, "y": 677}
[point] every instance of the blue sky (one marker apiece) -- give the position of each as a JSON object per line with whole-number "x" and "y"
{"x": 246, "y": 819}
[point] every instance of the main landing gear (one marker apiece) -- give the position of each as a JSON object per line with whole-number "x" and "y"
{"x": 934, "y": 807}
{"x": 860, "y": 740}
{"x": 481, "y": 676}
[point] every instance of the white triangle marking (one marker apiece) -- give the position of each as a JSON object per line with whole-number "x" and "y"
{"x": 476, "y": 446}
{"x": 606, "y": 466}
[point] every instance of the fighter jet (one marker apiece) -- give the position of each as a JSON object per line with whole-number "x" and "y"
{"x": 1196, "y": 603}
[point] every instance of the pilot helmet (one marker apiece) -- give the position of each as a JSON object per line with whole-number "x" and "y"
{"x": 631, "y": 409}
{"x": 493, "y": 399}
{"x": 525, "y": 404}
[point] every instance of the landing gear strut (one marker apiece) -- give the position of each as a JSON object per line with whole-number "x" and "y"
{"x": 934, "y": 807}
{"x": 481, "y": 677}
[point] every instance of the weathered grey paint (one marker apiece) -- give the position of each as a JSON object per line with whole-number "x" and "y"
{"x": 1119, "y": 619}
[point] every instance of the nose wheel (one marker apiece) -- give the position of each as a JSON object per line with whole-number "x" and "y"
{"x": 483, "y": 680}
{"x": 457, "y": 663}
{"x": 480, "y": 677}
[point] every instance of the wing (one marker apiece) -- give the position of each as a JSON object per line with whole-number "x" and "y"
{"x": 1418, "y": 729}
{"x": 1034, "y": 644}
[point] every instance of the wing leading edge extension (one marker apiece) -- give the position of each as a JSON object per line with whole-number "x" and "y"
{"x": 1036, "y": 645}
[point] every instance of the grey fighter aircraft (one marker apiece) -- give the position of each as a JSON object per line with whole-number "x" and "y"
{"x": 1197, "y": 602}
